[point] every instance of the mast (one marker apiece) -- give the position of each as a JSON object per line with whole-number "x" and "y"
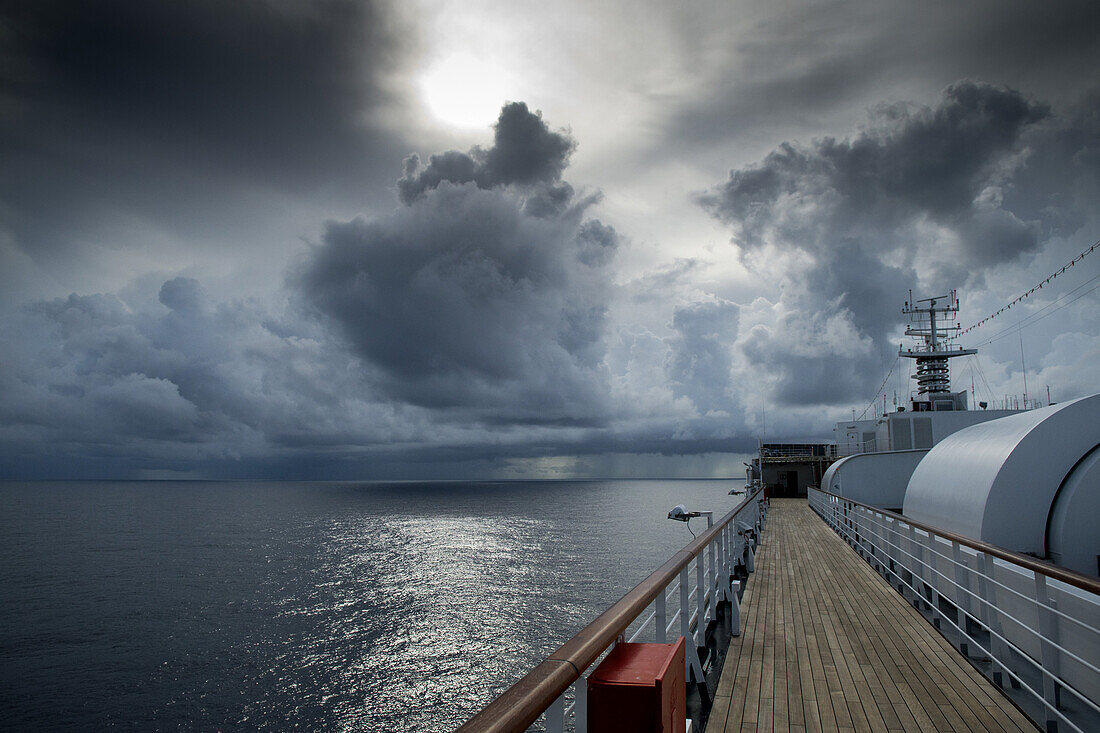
{"x": 933, "y": 326}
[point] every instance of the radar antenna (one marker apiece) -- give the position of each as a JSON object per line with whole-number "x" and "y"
{"x": 933, "y": 327}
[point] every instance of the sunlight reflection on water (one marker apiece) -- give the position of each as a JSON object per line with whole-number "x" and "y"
{"x": 337, "y": 606}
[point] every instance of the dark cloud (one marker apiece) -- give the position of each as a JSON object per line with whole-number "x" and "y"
{"x": 801, "y": 72}
{"x": 487, "y": 292}
{"x": 165, "y": 379}
{"x": 524, "y": 151}
{"x": 921, "y": 197}
{"x": 174, "y": 384}
{"x": 122, "y": 110}
{"x": 914, "y": 163}
{"x": 700, "y": 365}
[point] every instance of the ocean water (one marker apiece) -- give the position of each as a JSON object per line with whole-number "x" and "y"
{"x": 311, "y": 606}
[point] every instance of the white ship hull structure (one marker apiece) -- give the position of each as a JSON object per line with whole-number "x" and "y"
{"x": 1028, "y": 482}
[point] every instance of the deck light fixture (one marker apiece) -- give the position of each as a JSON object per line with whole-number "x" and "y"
{"x": 680, "y": 513}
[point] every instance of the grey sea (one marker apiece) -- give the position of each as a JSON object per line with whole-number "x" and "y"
{"x": 310, "y": 606}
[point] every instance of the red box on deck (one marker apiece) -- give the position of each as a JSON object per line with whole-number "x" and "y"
{"x": 639, "y": 687}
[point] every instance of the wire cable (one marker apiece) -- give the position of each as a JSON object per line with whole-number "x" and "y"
{"x": 1021, "y": 297}
{"x": 1035, "y": 318}
{"x": 880, "y": 388}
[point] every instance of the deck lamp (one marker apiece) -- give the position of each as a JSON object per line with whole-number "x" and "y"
{"x": 680, "y": 513}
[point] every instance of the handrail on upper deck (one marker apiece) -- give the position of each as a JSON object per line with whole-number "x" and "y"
{"x": 521, "y": 704}
{"x": 1065, "y": 575}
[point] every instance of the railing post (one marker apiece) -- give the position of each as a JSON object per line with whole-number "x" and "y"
{"x": 962, "y": 602}
{"x": 727, "y": 555}
{"x": 685, "y": 620}
{"x": 691, "y": 658}
{"x": 858, "y": 528}
{"x": 1048, "y": 637}
{"x": 916, "y": 552}
{"x": 893, "y": 554}
{"x": 711, "y": 580}
{"x": 580, "y": 705}
{"x": 555, "y": 715}
{"x": 731, "y": 532}
{"x": 700, "y": 598}
{"x": 990, "y": 616}
{"x": 878, "y": 545}
{"x": 660, "y": 616}
{"x": 933, "y": 583}
{"x": 735, "y": 610}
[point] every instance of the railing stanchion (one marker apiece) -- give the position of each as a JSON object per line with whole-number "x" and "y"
{"x": 931, "y": 585}
{"x": 692, "y": 667}
{"x": 555, "y": 716}
{"x": 723, "y": 565}
{"x": 962, "y": 602}
{"x": 990, "y": 617}
{"x": 660, "y": 616}
{"x": 1048, "y": 653}
{"x": 700, "y": 597}
{"x": 916, "y": 551}
{"x": 735, "y": 610}
{"x": 727, "y": 543}
{"x": 685, "y": 622}
{"x": 712, "y": 580}
{"x": 580, "y": 705}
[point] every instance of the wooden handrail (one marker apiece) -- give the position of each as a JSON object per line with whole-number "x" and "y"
{"x": 1070, "y": 577}
{"x": 521, "y": 704}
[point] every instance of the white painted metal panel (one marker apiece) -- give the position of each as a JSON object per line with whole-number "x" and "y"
{"x": 878, "y": 479}
{"x": 996, "y": 481}
{"x": 1074, "y": 537}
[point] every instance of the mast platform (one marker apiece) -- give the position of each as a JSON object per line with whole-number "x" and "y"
{"x": 827, "y": 645}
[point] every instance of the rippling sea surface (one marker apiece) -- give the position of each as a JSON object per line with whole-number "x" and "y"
{"x": 336, "y": 606}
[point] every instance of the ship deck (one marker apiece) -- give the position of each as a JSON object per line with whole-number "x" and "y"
{"x": 827, "y": 645}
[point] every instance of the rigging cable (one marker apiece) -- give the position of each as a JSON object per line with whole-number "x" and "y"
{"x": 881, "y": 387}
{"x": 1019, "y": 298}
{"x": 1039, "y": 315}
{"x": 981, "y": 375}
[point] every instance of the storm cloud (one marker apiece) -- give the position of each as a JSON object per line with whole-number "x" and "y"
{"x": 524, "y": 151}
{"x": 121, "y": 112}
{"x": 921, "y": 197}
{"x": 172, "y": 298}
{"x": 486, "y": 292}
{"x": 166, "y": 379}
{"x": 700, "y": 366}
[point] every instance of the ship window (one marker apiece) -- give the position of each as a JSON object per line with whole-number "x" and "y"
{"x": 943, "y": 405}
{"x": 903, "y": 435}
{"x": 922, "y": 432}
{"x": 869, "y": 441}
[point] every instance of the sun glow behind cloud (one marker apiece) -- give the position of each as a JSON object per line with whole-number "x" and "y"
{"x": 463, "y": 90}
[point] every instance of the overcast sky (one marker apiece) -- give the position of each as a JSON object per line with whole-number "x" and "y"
{"x": 349, "y": 239}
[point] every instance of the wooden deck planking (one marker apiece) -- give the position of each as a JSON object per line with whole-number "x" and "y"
{"x": 826, "y": 645}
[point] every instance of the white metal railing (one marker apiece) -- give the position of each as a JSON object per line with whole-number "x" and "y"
{"x": 679, "y": 599}
{"x": 855, "y": 447}
{"x": 794, "y": 451}
{"x": 1015, "y": 617}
